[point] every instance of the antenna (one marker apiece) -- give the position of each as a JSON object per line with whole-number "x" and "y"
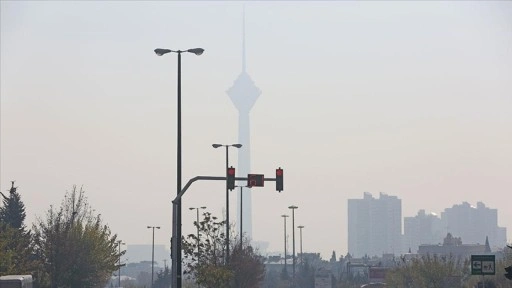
{"x": 243, "y": 39}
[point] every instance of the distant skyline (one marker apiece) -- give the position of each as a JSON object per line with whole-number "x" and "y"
{"x": 376, "y": 226}
{"x": 136, "y": 253}
{"x": 411, "y": 99}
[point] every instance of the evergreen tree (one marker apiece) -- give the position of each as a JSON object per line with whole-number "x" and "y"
{"x": 12, "y": 212}
{"x": 163, "y": 279}
{"x": 16, "y": 252}
{"x": 16, "y": 249}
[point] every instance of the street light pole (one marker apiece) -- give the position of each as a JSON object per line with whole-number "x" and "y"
{"x": 293, "y": 239}
{"x": 227, "y": 206}
{"x": 285, "y": 252}
{"x": 227, "y": 193}
{"x": 241, "y": 215}
{"x": 153, "y": 253}
{"x": 177, "y": 271}
{"x": 301, "y": 254}
{"x": 119, "y": 243}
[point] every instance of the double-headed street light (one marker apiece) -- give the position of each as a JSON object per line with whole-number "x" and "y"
{"x": 227, "y": 193}
{"x": 293, "y": 238}
{"x": 153, "y": 253}
{"x": 177, "y": 238}
{"x": 301, "y": 254}
{"x": 161, "y": 51}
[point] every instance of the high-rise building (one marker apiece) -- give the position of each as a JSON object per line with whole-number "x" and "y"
{"x": 244, "y": 94}
{"x": 422, "y": 229}
{"x": 374, "y": 225}
{"x": 473, "y": 224}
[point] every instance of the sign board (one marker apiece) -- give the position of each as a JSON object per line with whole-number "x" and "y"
{"x": 483, "y": 265}
{"x": 255, "y": 180}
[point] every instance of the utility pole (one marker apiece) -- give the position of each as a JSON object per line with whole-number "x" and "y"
{"x": 285, "y": 252}
{"x": 293, "y": 239}
{"x": 301, "y": 254}
{"x": 153, "y": 253}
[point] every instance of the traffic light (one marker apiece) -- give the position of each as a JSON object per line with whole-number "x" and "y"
{"x": 509, "y": 272}
{"x": 231, "y": 178}
{"x": 279, "y": 179}
{"x": 255, "y": 180}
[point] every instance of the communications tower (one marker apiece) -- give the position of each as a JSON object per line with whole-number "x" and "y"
{"x": 244, "y": 94}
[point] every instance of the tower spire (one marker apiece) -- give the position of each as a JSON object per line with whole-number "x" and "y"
{"x": 243, "y": 39}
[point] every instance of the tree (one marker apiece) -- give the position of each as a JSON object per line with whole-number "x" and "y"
{"x": 306, "y": 275}
{"x": 163, "y": 278}
{"x": 247, "y": 266}
{"x": 427, "y": 271}
{"x": 6, "y": 254}
{"x": 16, "y": 250}
{"x": 12, "y": 212}
{"x": 76, "y": 248}
{"x": 204, "y": 257}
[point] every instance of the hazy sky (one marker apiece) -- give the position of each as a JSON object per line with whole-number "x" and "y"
{"x": 412, "y": 99}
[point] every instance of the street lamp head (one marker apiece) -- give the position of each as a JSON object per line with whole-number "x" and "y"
{"x": 293, "y": 207}
{"x": 284, "y": 215}
{"x": 157, "y": 227}
{"x": 149, "y": 227}
{"x": 161, "y": 51}
{"x": 237, "y": 145}
{"x": 216, "y": 145}
{"x": 193, "y": 208}
{"x": 197, "y": 51}
{"x": 300, "y": 226}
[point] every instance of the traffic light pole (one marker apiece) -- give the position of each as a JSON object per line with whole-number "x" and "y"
{"x": 176, "y": 222}
{"x": 227, "y": 206}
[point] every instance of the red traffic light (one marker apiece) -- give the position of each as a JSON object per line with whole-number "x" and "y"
{"x": 279, "y": 179}
{"x": 230, "y": 179}
{"x": 231, "y": 171}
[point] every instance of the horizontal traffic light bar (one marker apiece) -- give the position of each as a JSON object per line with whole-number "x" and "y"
{"x": 253, "y": 180}
{"x": 214, "y": 178}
